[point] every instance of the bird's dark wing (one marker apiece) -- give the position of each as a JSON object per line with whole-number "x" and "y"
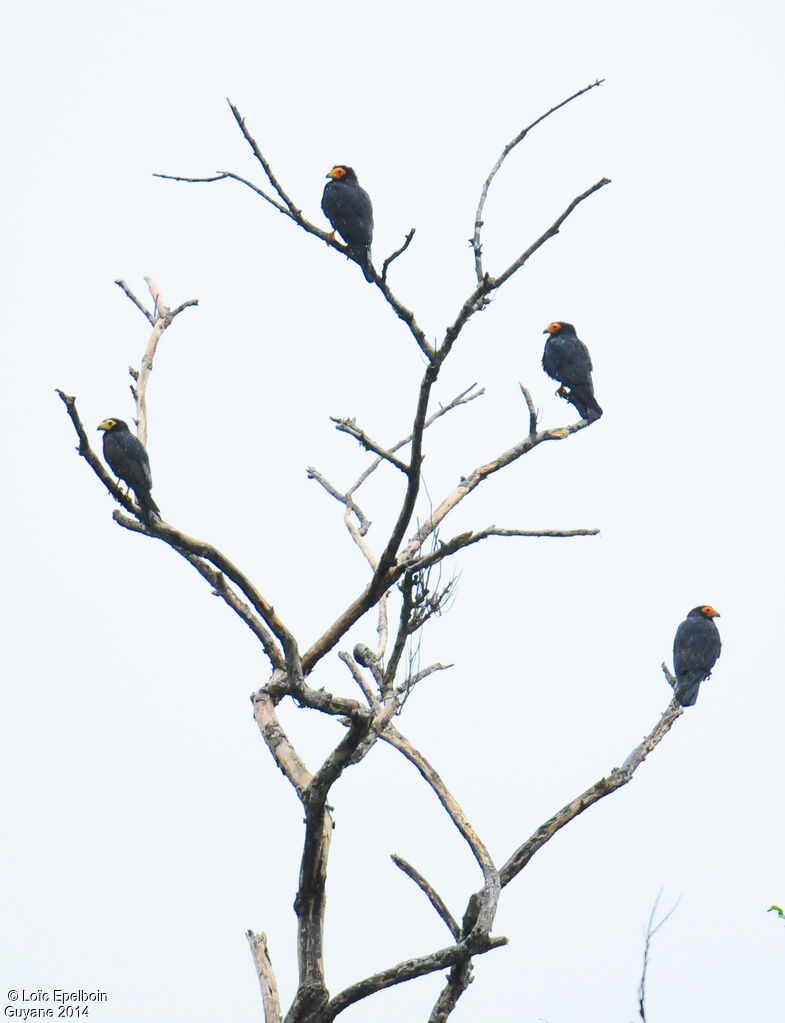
{"x": 348, "y": 208}
{"x": 696, "y": 647}
{"x": 574, "y": 361}
{"x": 128, "y": 460}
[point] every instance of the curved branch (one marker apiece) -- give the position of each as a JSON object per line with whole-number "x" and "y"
{"x": 478, "y": 221}
{"x": 433, "y": 896}
{"x": 184, "y": 544}
{"x": 491, "y": 887}
{"x": 619, "y": 776}
{"x": 458, "y": 543}
{"x": 85, "y": 450}
{"x": 350, "y": 426}
{"x": 407, "y": 970}
{"x": 160, "y": 318}
{"x": 397, "y": 253}
{"x": 475, "y": 478}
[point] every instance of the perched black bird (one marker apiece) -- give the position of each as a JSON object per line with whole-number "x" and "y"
{"x": 566, "y": 358}
{"x": 126, "y": 457}
{"x": 695, "y": 651}
{"x": 348, "y": 208}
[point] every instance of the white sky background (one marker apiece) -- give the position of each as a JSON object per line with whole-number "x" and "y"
{"x": 146, "y": 825}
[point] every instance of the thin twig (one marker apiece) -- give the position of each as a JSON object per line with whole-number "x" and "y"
{"x": 260, "y": 157}
{"x": 145, "y": 312}
{"x": 651, "y": 930}
{"x": 433, "y": 896}
{"x": 458, "y": 543}
{"x": 469, "y": 483}
{"x": 230, "y": 176}
{"x": 363, "y": 522}
{"x": 531, "y": 408}
{"x": 478, "y": 221}
{"x": 467, "y": 395}
{"x": 397, "y": 253}
{"x": 350, "y": 426}
{"x": 491, "y": 887}
{"x": 669, "y": 675}
{"x": 546, "y": 235}
{"x": 409, "y": 684}
{"x": 160, "y": 318}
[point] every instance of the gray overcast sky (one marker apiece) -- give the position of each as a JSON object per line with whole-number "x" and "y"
{"x": 146, "y": 825}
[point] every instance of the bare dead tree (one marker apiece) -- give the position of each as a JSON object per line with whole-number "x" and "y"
{"x": 400, "y": 571}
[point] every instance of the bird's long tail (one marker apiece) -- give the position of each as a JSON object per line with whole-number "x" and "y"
{"x": 149, "y": 508}
{"x": 686, "y": 691}
{"x": 363, "y": 257}
{"x": 584, "y": 401}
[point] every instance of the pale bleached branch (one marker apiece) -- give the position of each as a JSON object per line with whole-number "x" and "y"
{"x": 531, "y": 408}
{"x": 491, "y": 887}
{"x": 350, "y": 426}
{"x": 478, "y": 221}
{"x": 264, "y": 971}
{"x": 183, "y": 543}
{"x": 433, "y": 896}
{"x": 413, "y": 680}
{"x": 467, "y": 395}
{"x": 459, "y": 543}
{"x": 357, "y": 675}
{"x": 242, "y": 610}
{"x": 671, "y": 678}
{"x": 381, "y": 629}
{"x": 145, "y": 312}
{"x": 278, "y": 743}
{"x": 160, "y": 318}
{"x": 618, "y": 777}
{"x": 469, "y": 483}
{"x": 363, "y": 522}
{"x": 408, "y": 970}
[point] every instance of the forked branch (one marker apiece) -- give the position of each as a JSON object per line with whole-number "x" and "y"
{"x": 160, "y": 318}
{"x": 478, "y": 217}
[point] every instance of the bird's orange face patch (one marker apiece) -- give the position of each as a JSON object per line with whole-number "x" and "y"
{"x": 337, "y": 173}
{"x": 710, "y": 612}
{"x": 552, "y": 328}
